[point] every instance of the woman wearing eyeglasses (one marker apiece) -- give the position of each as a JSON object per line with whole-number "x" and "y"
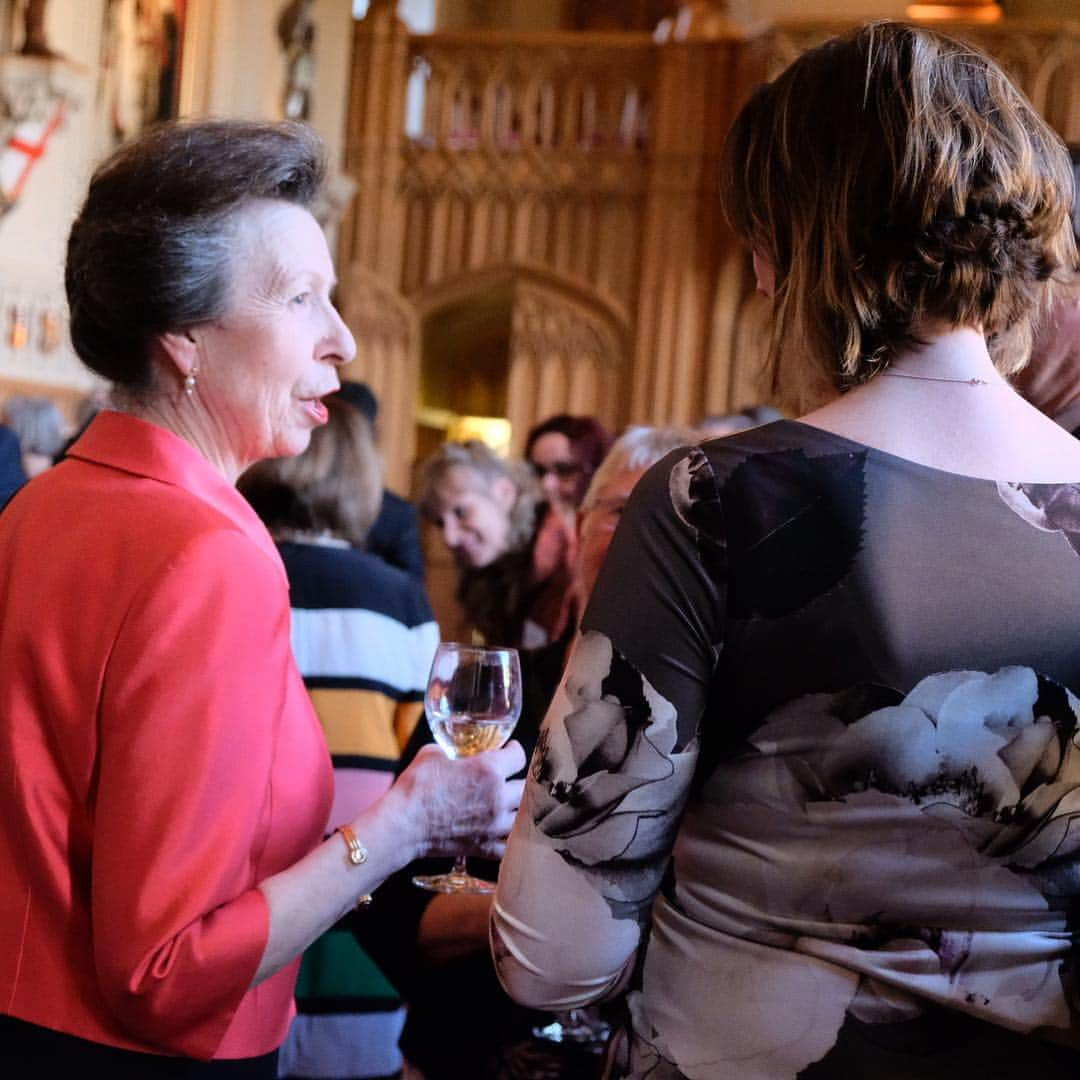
{"x": 564, "y": 452}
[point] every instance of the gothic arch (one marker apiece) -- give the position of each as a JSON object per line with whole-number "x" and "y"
{"x": 567, "y": 349}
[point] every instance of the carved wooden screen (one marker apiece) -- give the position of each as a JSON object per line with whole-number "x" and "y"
{"x": 567, "y": 355}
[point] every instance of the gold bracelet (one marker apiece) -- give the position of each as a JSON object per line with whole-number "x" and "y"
{"x": 357, "y": 856}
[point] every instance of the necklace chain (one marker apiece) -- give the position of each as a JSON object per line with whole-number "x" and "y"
{"x": 937, "y": 378}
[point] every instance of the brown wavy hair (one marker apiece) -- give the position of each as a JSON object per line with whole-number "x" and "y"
{"x": 896, "y": 179}
{"x": 335, "y": 486}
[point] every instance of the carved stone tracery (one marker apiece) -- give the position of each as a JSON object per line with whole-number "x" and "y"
{"x": 546, "y": 325}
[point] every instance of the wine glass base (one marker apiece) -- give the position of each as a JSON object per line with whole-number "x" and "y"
{"x": 453, "y": 883}
{"x": 585, "y": 1032}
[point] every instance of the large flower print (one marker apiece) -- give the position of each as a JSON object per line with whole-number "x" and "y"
{"x": 962, "y": 737}
{"x": 923, "y": 849}
{"x": 606, "y": 780}
{"x": 782, "y": 530}
{"x": 1050, "y": 507}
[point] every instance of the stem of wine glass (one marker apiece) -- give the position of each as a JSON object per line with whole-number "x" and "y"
{"x": 459, "y": 869}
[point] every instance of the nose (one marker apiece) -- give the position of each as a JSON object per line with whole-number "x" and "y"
{"x": 549, "y": 485}
{"x": 340, "y": 345}
{"x": 451, "y": 532}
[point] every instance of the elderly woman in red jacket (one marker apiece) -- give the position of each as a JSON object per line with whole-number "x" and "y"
{"x": 164, "y": 783}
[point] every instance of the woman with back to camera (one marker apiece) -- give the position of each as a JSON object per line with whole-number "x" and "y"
{"x": 164, "y": 783}
{"x": 363, "y": 634}
{"x": 818, "y": 737}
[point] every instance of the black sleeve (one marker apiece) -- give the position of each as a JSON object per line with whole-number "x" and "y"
{"x": 395, "y": 536}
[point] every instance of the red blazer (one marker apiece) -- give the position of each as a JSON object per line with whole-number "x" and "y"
{"x": 158, "y": 753}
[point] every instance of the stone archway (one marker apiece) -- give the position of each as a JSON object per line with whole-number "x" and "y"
{"x": 565, "y": 348}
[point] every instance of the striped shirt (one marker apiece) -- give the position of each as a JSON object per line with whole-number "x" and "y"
{"x": 363, "y": 636}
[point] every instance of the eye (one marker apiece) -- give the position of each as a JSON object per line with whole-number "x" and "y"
{"x": 300, "y": 299}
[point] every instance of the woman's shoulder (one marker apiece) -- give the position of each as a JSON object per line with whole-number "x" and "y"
{"x": 776, "y": 440}
{"x": 347, "y": 577}
{"x": 707, "y": 468}
{"x": 746, "y": 487}
{"x": 78, "y": 503}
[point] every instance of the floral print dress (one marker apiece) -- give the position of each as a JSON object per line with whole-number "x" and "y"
{"x": 809, "y": 792}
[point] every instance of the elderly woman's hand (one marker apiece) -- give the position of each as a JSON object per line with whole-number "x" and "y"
{"x": 462, "y": 807}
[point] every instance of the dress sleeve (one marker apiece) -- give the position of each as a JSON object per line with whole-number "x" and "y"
{"x": 617, "y": 749}
{"x": 191, "y": 706}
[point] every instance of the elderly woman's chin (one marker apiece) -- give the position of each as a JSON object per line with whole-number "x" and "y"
{"x": 474, "y": 557}
{"x": 286, "y": 436}
{"x": 294, "y": 445}
{"x": 311, "y": 414}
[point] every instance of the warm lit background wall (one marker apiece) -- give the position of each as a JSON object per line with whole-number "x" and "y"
{"x": 233, "y": 65}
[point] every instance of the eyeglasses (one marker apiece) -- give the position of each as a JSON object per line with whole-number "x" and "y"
{"x": 562, "y": 469}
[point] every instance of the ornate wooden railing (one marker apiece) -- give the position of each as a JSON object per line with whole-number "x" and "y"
{"x": 558, "y": 94}
{"x": 516, "y": 143}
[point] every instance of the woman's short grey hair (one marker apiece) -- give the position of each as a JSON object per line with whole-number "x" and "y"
{"x": 637, "y": 448}
{"x": 151, "y": 249}
{"x": 37, "y": 422}
{"x": 484, "y": 467}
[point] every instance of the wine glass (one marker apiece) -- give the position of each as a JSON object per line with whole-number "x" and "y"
{"x": 472, "y": 703}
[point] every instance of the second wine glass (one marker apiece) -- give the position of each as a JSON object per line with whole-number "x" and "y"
{"x": 472, "y": 704}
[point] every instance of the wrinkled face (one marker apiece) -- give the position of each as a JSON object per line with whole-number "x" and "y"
{"x": 263, "y": 368}
{"x": 597, "y": 527}
{"x": 562, "y": 479}
{"x": 473, "y": 516}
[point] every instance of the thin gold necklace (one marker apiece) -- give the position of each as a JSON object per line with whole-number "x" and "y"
{"x": 937, "y": 378}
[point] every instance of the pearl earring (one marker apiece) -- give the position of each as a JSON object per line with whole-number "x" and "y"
{"x": 189, "y": 382}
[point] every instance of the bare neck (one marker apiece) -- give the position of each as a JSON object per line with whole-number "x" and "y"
{"x": 185, "y": 417}
{"x": 947, "y": 406}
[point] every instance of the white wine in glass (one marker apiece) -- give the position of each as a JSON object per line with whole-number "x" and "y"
{"x": 472, "y": 704}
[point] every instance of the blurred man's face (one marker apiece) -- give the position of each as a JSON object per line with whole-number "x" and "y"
{"x": 597, "y": 527}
